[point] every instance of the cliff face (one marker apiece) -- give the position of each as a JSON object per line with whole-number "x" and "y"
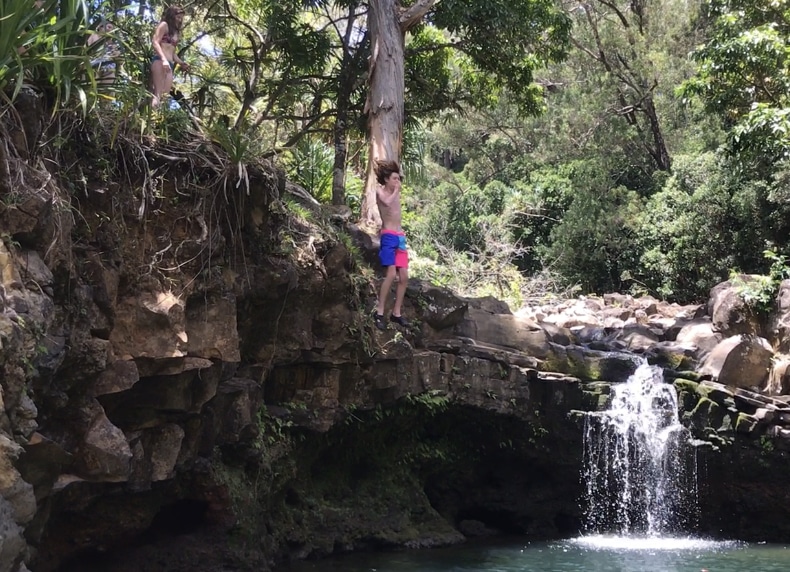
{"x": 191, "y": 381}
{"x": 209, "y": 376}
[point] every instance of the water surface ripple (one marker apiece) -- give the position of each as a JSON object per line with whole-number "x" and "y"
{"x": 584, "y": 554}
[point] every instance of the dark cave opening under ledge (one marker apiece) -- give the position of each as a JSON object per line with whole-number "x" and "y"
{"x": 181, "y": 518}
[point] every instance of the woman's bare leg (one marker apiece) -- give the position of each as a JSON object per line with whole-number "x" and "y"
{"x": 161, "y": 80}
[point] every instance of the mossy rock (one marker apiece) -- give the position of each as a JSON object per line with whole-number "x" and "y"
{"x": 685, "y": 375}
{"x": 746, "y": 424}
{"x": 596, "y": 395}
{"x": 598, "y": 387}
{"x": 720, "y": 395}
{"x": 595, "y": 401}
{"x": 706, "y": 414}
{"x": 687, "y": 393}
{"x": 589, "y": 365}
{"x": 670, "y": 361}
{"x": 683, "y": 384}
{"x": 572, "y": 363}
{"x": 687, "y": 400}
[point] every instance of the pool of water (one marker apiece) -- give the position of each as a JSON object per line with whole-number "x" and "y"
{"x": 584, "y": 554}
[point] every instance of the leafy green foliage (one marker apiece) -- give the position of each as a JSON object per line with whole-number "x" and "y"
{"x": 538, "y": 208}
{"x": 239, "y": 145}
{"x": 17, "y": 19}
{"x": 704, "y": 222}
{"x": 46, "y": 47}
{"x": 744, "y": 75}
{"x": 595, "y": 241}
{"x": 586, "y": 199}
{"x": 463, "y": 237}
{"x": 760, "y": 291}
{"x": 458, "y": 219}
{"x": 428, "y": 77}
{"x": 521, "y": 48}
{"x": 309, "y": 164}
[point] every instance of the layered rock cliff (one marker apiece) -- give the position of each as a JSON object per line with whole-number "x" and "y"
{"x": 191, "y": 381}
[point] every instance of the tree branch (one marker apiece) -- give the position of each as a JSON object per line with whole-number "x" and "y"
{"x": 294, "y": 139}
{"x": 414, "y": 13}
{"x": 617, "y": 12}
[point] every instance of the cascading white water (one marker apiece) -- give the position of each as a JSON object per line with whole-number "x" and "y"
{"x": 639, "y": 467}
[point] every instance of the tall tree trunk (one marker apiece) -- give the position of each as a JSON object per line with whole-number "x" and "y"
{"x": 340, "y": 137}
{"x": 348, "y": 76}
{"x": 385, "y": 96}
{"x": 659, "y": 150}
{"x": 387, "y": 25}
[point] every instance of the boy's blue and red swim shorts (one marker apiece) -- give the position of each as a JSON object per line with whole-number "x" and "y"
{"x": 393, "y": 249}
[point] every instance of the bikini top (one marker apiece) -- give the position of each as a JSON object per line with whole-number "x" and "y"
{"x": 168, "y": 40}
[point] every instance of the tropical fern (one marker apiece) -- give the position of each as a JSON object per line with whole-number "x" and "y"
{"x": 46, "y": 47}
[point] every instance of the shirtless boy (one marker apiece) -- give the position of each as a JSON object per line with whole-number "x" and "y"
{"x": 393, "y": 254}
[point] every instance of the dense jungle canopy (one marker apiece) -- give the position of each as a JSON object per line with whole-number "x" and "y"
{"x": 547, "y": 145}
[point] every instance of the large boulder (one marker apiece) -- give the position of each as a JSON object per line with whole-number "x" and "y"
{"x": 780, "y": 325}
{"x": 740, "y": 361}
{"x": 729, "y": 312}
{"x": 779, "y": 377}
{"x": 119, "y": 376}
{"x": 155, "y": 453}
{"x": 699, "y": 333}
{"x": 638, "y": 338}
{"x": 211, "y": 328}
{"x": 504, "y": 330}
{"x": 671, "y": 355}
{"x": 440, "y": 307}
{"x": 590, "y": 365}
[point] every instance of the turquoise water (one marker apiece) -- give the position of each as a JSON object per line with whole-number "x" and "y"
{"x": 587, "y": 554}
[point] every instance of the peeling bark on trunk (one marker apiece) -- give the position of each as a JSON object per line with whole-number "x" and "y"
{"x": 388, "y": 27}
{"x": 385, "y": 96}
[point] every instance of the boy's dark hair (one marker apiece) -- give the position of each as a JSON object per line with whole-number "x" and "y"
{"x": 384, "y": 169}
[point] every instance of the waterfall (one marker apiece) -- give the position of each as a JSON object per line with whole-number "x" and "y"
{"x": 639, "y": 466}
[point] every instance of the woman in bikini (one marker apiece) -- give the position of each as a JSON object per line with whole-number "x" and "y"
{"x": 166, "y": 57}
